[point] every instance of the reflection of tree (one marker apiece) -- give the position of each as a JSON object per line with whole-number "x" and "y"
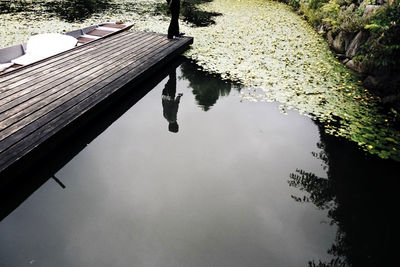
{"x": 197, "y": 16}
{"x": 13, "y": 6}
{"x": 76, "y": 10}
{"x": 360, "y": 196}
{"x": 206, "y": 88}
{"x": 320, "y": 189}
{"x": 190, "y": 12}
{"x": 69, "y": 10}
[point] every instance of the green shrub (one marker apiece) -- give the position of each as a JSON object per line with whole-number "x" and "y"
{"x": 294, "y": 3}
{"x": 383, "y": 48}
{"x": 363, "y": 5}
{"x": 330, "y": 12}
{"x": 313, "y": 16}
{"x": 316, "y": 4}
{"x": 352, "y": 22}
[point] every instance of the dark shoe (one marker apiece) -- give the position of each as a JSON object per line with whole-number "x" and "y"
{"x": 181, "y": 33}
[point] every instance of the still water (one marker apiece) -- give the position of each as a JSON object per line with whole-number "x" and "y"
{"x": 190, "y": 175}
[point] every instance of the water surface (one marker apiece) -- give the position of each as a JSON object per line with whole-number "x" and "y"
{"x": 234, "y": 184}
{"x": 214, "y": 193}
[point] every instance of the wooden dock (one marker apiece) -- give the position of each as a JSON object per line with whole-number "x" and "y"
{"x": 40, "y": 100}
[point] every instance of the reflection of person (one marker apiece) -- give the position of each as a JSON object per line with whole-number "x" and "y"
{"x": 170, "y": 103}
{"x": 173, "y": 29}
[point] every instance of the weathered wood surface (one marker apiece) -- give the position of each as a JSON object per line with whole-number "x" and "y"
{"x": 38, "y": 101}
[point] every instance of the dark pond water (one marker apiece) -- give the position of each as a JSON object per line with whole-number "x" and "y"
{"x": 204, "y": 181}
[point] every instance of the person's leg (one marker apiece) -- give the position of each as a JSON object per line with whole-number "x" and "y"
{"x": 171, "y": 30}
{"x": 175, "y": 23}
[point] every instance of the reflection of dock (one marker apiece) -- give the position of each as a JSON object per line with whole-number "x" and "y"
{"x": 39, "y": 101}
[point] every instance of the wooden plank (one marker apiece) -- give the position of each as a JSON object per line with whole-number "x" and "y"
{"x": 57, "y": 59}
{"x": 13, "y": 123}
{"x": 32, "y": 89}
{"x": 60, "y": 66}
{"x": 51, "y": 64}
{"x": 36, "y": 90}
{"x": 33, "y": 134}
{"x": 67, "y": 77}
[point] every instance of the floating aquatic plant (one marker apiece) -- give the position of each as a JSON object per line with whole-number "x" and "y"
{"x": 278, "y": 57}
